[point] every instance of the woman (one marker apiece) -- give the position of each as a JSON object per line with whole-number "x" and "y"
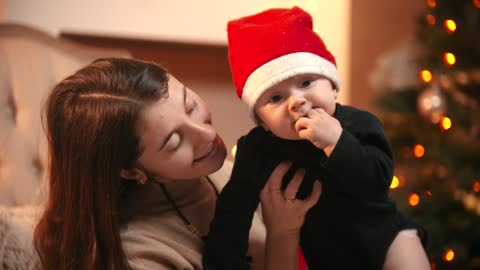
{"x": 135, "y": 167}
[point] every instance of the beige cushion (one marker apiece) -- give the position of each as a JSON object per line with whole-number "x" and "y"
{"x": 31, "y": 63}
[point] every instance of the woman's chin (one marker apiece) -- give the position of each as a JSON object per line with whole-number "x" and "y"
{"x": 220, "y": 155}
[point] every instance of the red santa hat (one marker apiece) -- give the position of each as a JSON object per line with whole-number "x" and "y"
{"x": 271, "y": 46}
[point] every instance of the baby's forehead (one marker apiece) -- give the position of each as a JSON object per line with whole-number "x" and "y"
{"x": 293, "y": 80}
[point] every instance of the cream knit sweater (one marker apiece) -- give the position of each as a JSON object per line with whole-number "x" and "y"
{"x": 158, "y": 239}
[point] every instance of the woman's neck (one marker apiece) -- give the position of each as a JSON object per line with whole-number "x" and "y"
{"x": 149, "y": 199}
{"x": 181, "y": 190}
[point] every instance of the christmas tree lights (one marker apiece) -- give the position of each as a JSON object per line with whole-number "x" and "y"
{"x": 433, "y": 124}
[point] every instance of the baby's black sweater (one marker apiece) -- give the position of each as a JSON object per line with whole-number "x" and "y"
{"x": 354, "y": 221}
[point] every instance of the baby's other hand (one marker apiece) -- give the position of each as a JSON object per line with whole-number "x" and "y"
{"x": 320, "y": 128}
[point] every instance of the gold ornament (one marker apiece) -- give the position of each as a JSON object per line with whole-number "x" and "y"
{"x": 431, "y": 103}
{"x": 445, "y": 81}
{"x": 461, "y": 78}
{"x": 469, "y": 200}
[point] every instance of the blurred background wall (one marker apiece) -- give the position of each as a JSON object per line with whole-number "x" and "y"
{"x": 377, "y": 27}
{"x": 2, "y": 10}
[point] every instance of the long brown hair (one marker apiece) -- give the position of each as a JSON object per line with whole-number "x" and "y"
{"x": 90, "y": 120}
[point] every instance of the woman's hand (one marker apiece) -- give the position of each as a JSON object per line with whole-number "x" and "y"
{"x": 284, "y": 215}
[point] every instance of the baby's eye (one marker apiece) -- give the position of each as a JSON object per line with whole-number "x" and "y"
{"x": 306, "y": 83}
{"x": 275, "y": 98}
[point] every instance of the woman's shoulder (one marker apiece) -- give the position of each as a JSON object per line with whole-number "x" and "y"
{"x": 160, "y": 242}
{"x": 221, "y": 177}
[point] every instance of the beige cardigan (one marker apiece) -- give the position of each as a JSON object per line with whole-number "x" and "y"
{"x": 158, "y": 239}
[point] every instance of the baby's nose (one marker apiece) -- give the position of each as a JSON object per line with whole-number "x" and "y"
{"x": 296, "y": 103}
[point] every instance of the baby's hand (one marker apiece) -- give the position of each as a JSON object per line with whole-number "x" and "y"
{"x": 320, "y": 128}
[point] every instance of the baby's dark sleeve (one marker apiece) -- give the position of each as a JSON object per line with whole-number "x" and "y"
{"x": 361, "y": 163}
{"x": 227, "y": 241}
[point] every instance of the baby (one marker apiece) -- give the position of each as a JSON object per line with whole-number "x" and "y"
{"x": 285, "y": 74}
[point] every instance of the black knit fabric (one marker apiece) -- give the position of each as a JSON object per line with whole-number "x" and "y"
{"x": 353, "y": 223}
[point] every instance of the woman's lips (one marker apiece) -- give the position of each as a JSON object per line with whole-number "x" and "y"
{"x": 212, "y": 147}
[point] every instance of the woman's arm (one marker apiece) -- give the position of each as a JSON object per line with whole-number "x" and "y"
{"x": 284, "y": 216}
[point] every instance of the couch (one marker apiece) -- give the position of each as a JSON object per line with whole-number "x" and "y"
{"x": 31, "y": 63}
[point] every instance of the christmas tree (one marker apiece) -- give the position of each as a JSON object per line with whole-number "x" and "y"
{"x": 430, "y": 107}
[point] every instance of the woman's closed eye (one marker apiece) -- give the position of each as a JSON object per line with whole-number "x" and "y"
{"x": 191, "y": 107}
{"x": 174, "y": 142}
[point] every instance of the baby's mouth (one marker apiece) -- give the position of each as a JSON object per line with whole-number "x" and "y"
{"x": 295, "y": 121}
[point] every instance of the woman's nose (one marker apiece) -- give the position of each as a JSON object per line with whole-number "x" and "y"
{"x": 202, "y": 131}
{"x": 202, "y": 134}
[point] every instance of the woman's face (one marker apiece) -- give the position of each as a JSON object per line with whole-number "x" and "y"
{"x": 177, "y": 138}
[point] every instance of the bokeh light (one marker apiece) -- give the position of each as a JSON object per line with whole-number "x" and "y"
{"x": 395, "y": 182}
{"x": 431, "y": 3}
{"x": 413, "y": 199}
{"x": 445, "y": 123}
{"x": 476, "y": 186}
{"x": 425, "y": 75}
{"x": 430, "y": 19}
{"x": 449, "y": 59}
{"x": 450, "y": 25}
{"x": 418, "y": 150}
{"x": 449, "y": 255}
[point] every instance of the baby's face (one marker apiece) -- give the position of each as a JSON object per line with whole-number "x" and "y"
{"x": 281, "y": 105}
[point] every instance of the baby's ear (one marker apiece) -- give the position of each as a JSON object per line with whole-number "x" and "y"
{"x": 335, "y": 94}
{"x": 334, "y": 89}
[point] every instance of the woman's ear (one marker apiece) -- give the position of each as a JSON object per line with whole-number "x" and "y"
{"x": 134, "y": 174}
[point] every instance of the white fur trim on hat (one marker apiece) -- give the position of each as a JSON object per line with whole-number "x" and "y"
{"x": 285, "y": 67}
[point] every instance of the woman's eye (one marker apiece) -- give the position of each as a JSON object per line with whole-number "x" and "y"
{"x": 191, "y": 106}
{"x": 275, "y": 99}
{"x": 306, "y": 83}
{"x": 174, "y": 142}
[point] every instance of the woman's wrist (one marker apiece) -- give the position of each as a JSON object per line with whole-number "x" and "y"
{"x": 282, "y": 251}
{"x": 275, "y": 233}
